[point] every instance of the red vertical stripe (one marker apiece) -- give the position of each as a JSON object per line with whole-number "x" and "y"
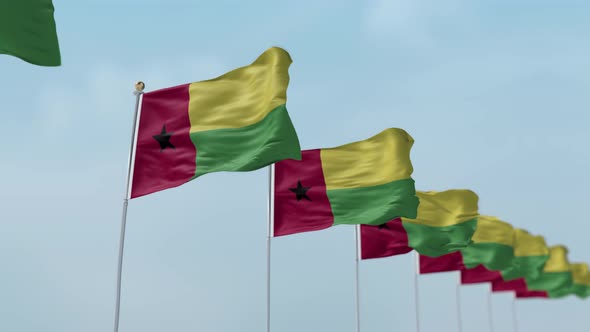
{"x": 156, "y": 168}
{"x": 312, "y": 211}
{"x": 511, "y": 285}
{"x": 479, "y": 274}
{"x": 531, "y": 294}
{"x": 386, "y": 240}
{"x": 445, "y": 263}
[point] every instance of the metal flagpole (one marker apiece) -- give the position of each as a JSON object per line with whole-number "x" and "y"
{"x": 416, "y": 293}
{"x": 458, "y": 296}
{"x": 271, "y": 181}
{"x": 139, "y": 86}
{"x": 490, "y": 317}
{"x": 357, "y": 235}
{"x": 514, "y": 316}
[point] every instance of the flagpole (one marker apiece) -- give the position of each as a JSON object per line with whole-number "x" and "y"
{"x": 490, "y": 317}
{"x": 271, "y": 181}
{"x": 458, "y": 296}
{"x": 514, "y": 316}
{"x": 416, "y": 293}
{"x": 357, "y": 282}
{"x": 139, "y": 86}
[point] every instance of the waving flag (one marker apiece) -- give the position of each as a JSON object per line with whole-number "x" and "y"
{"x": 366, "y": 182}
{"x": 492, "y": 245}
{"x": 530, "y": 255}
{"x": 445, "y": 223}
{"x": 556, "y": 273}
{"x": 237, "y": 122}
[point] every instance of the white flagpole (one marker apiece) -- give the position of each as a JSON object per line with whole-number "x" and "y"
{"x": 357, "y": 234}
{"x": 490, "y": 316}
{"x": 514, "y": 316}
{"x": 416, "y": 292}
{"x": 139, "y": 86}
{"x": 271, "y": 182}
{"x": 458, "y": 296}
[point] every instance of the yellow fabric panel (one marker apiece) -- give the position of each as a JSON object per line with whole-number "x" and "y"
{"x": 243, "y": 96}
{"x": 493, "y": 230}
{"x": 445, "y": 208}
{"x": 557, "y": 261}
{"x": 526, "y": 244}
{"x": 378, "y": 160}
{"x": 580, "y": 273}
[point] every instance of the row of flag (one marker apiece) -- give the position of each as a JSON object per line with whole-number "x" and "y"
{"x": 239, "y": 122}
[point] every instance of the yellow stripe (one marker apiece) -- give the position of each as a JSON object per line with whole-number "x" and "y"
{"x": 493, "y": 230}
{"x": 580, "y": 273}
{"x": 243, "y": 96}
{"x": 445, "y": 208}
{"x": 526, "y": 244}
{"x": 380, "y": 159}
{"x": 557, "y": 261}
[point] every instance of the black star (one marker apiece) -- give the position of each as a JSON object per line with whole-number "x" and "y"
{"x": 300, "y": 191}
{"x": 382, "y": 226}
{"x": 164, "y": 139}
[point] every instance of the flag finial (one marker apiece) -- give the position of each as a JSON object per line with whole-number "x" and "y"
{"x": 139, "y": 86}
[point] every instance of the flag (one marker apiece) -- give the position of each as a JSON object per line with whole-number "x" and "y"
{"x": 28, "y": 32}
{"x": 530, "y": 255}
{"x": 492, "y": 245}
{"x": 236, "y": 122}
{"x": 366, "y": 182}
{"x": 445, "y": 223}
{"x": 556, "y": 274}
{"x": 444, "y": 263}
{"x": 580, "y": 283}
{"x": 385, "y": 240}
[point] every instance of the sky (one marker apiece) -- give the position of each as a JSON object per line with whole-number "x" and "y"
{"x": 494, "y": 94}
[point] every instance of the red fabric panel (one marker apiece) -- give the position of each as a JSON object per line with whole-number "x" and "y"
{"x": 385, "y": 240}
{"x": 312, "y": 211}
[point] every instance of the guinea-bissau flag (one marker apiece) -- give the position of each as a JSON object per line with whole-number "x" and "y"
{"x": 366, "y": 182}
{"x": 478, "y": 274}
{"x": 492, "y": 247}
{"x": 580, "y": 283}
{"x": 530, "y": 255}
{"x": 235, "y": 122}
{"x": 445, "y": 222}
{"x": 491, "y": 250}
{"x": 454, "y": 262}
{"x": 556, "y": 274}
{"x": 28, "y": 32}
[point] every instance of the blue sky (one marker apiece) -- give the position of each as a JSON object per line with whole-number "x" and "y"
{"x": 494, "y": 94}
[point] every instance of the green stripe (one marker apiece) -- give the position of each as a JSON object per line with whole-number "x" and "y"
{"x": 580, "y": 291}
{"x": 27, "y": 31}
{"x": 550, "y": 281}
{"x": 247, "y": 148}
{"x": 525, "y": 267}
{"x": 374, "y": 205}
{"x": 437, "y": 241}
{"x": 493, "y": 256}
